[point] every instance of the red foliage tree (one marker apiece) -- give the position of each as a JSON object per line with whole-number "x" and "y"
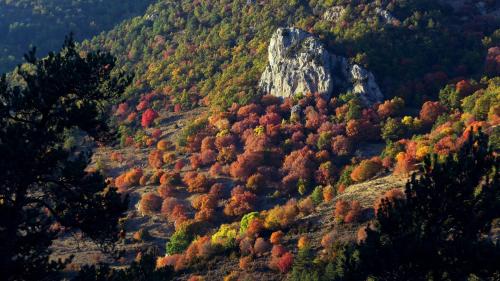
{"x": 148, "y": 117}
{"x": 208, "y": 156}
{"x": 299, "y": 164}
{"x": 241, "y": 202}
{"x": 430, "y": 112}
{"x": 285, "y": 262}
{"x": 246, "y": 164}
{"x": 166, "y": 190}
{"x": 215, "y": 170}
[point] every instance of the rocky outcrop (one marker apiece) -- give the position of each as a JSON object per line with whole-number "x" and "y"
{"x": 300, "y": 64}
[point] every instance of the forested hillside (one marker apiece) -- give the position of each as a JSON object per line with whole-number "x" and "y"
{"x": 264, "y": 140}
{"x": 43, "y": 23}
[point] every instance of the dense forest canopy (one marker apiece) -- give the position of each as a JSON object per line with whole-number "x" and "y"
{"x": 42, "y": 23}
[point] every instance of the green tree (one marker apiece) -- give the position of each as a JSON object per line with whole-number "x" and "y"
{"x": 42, "y": 183}
{"x": 441, "y": 230}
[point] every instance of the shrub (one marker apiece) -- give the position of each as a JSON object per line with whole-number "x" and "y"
{"x": 225, "y": 236}
{"x": 388, "y": 197}
{"x": 148, "y": 117}
{"x": 303, "y": 242}
{"x": 246, "y": 164}
{"x": 317, "y": 195}
{"x": 163, "y": 145}
{"x": 255, "y": 182}
{"x": 195, "y": 161}
{"x": 341, "y": 209}
{"x": 246, "y": 220}
{"x": 178, "y": 242}
{"x": 328, "y": 193}
{"x": 241, "y": 202}
{"x": 246, "y": 246}
{"x": 281, "y": 216}
{"x": 306, "y": 206}
{"x": 367, "y": 169}
{"x": 255, "y": 227}
{"x": 155, "y": 159}
{"x": 208, "y": 157}
{"x": 277, "y": 237}
{"x": 179, "y": 165}
{"x": 197, "y": 183}
{"x": 430, "y": 112}
{"x": 341, "y": 146}
{"x": 128, "y": 179}
{"x": 391, "y": 108}
{"x": 327, "y": 241}
{"x": 261, "y": 246}
{"x": 150, "y": 203}
{"x": 278, "y": 250}
{"x": 245, "y": 263}
{"x": 285, "y": 263}
{"x": 354, "y": 213}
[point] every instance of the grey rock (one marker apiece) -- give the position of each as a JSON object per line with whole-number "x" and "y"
{"x": 300, "y": 64}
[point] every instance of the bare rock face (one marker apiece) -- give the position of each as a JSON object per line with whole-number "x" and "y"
{"x": 300, "y": 64}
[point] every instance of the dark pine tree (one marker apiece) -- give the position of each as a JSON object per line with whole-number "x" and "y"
{"x": 441, "y": 231}
{"x": 41, "y": 182}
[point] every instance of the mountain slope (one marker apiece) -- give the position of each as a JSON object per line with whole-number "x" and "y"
{"x": 44, "y": 23}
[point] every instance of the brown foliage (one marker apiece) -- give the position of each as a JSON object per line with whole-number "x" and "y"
{"x": 245, "y": 263}
{"x": 196, "y": 182}
{"x": 155, "y": 159}
{"x": 341, "y": 209}
{"x": 166, "y": 190}
{"x": 261, "y": 246}
{"x": 241, "y": 202}
{"x": 246, "y": 246}
{"x": 354, "y": 213}
{"x": 150, "y": 203}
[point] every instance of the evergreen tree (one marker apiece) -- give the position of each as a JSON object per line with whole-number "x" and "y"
{"x": 42, "y": 183}
{"x": 441, "y": 230}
